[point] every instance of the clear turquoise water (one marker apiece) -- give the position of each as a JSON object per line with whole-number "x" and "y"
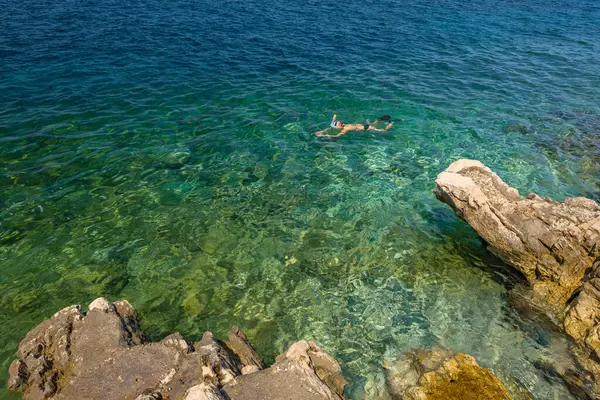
{"x": 163, "y": 152}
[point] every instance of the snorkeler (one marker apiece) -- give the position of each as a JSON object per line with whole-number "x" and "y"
{"x": 345, "y": 128}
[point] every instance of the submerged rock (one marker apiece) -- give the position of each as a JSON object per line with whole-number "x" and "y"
{"x": 102, "y": 354}
{"x": 555, "y": 245}
{"x": 438, "y": 374}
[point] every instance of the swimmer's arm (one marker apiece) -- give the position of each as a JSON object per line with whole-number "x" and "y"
{"x": 342, "y": 132}
{"x": 320, "y": 133}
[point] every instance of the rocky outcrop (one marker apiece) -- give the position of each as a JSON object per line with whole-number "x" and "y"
{"x": 438, "y": 374}
{"x": 304, "y": 372}
{"x": 555, "y": 245}
{"x": 102, "y": 354}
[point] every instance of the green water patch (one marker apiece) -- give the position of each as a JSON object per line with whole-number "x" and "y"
{"x": 166, "y": 154}
{"x": 288, "y": 236}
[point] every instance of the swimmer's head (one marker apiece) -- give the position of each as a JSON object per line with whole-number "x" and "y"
{"x": 339, "y": 124}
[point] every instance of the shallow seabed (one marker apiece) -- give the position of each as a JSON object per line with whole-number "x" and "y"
{"x": 163, "y": 152}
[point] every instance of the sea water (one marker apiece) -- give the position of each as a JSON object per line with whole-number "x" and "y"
{"x": 164, "y": 152}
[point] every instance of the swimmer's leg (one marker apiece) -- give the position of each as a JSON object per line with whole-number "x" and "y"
{"x": 372, "y": 128}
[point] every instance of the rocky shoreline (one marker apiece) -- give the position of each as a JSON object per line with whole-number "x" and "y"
{"x": 556, "y": 246}
{"x": 102, "y": 354}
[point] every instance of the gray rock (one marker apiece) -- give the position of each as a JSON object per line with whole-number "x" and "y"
{"x": 100, "y": 304}
{"x": 103, "y": 355}
{"x": 248, "y": 369}
{"x": 304, "y": 372}
{"x": 204, "y": 392}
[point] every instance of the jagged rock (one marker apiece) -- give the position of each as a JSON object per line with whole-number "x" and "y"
{"x": 312, "y": 358}
{"x": 102, "y": 354}
{"x": 204, "y": 391}
{"x": 240, "y": 344}
{"x": 153, "y": 396}
{"x": 304, "y": 372}
{"x": 555, "y": 245}
{"x": 437, "y": 374}
{"x": 19, "y": 375}
{"x": 582, "y": 316}
{"x": 551, "y": 243}
{"x": 248, "y": 369}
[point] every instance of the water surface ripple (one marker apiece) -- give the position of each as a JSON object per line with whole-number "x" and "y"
{"x": 163, "y": 152}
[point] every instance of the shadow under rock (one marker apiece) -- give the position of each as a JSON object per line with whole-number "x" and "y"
{"x": 470, "y": 246}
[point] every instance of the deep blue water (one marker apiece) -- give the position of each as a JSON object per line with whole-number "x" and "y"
{"x": 163, "y": 152}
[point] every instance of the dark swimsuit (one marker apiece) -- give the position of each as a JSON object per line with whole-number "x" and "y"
{"x": 366, "y": 126}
